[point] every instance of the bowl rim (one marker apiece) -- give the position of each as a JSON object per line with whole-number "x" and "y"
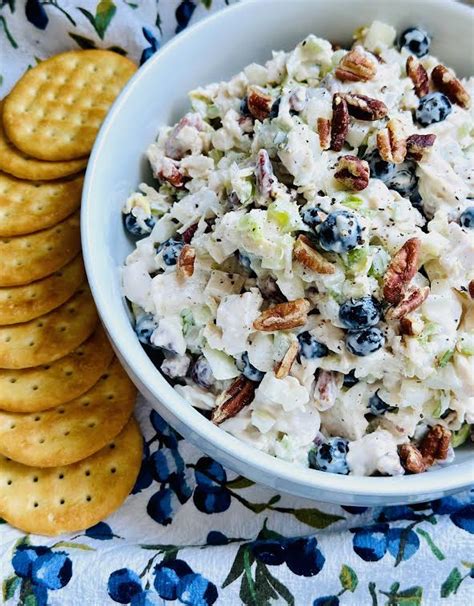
{"x": 139, "y": 365}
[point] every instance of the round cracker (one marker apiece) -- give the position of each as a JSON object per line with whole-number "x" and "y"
{"x": 51, "y": 336}
{"x": 23, "y": 303}
{"x": 16, "y": 163}
{"x": 74, "y": 430}
{"x": 55, "y": 110}
{"x": 29, "y": 206}
{"x": 25, "y": 259}
{"x": 56, "y": 500}
{"x": 37, "y": 389}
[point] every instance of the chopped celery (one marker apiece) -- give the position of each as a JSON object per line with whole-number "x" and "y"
{"x": 353, "y": 202}
{"x": 445, "y": 358}
{"x": 461, "y": 435}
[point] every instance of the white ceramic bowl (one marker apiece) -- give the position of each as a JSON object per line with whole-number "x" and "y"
{"x": 214, "y": 49}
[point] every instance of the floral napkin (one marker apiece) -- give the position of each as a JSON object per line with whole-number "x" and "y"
{"x": 193, "y": 532}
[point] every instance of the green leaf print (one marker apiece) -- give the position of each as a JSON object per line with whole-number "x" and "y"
{"x": 104, "y": 13}
{"x": 237, "y": 567}
{"x": 283, "y": 591}
{"x": 407, "y": 597}
{"x": 239, "y": 482}
{"x": 9, "y": 586}
{"x": 434, "y": 548}
{"x": 81, "y": 41}
{"x": 348, "y": 578}
{"x": 315, "y": 518}
{"x": 451, "y": 585}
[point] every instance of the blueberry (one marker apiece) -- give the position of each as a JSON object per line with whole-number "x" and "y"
{"x": 404, "y": 180}
{"x": 244, "y": 108}
{"x": 416, "y": 40}
{"x": 269, "y": 551}
{"x": 356, "y": 314}
{"x": 248, "y": 370}
{"x": 327, "y": 600}
{"x": 466, "y": 218}
{"x": 201, "y": 373}
{"x": 379, "y": 169}
{"x": 330, "y": 456}
{"x": 303, "y": 557}
{"x": 146, "y": 598}
{"x": 53, "y": 570}
{"x": 194, "y": 590}
{"x": 274, "y": 108}
{"x": 167, "y": 576}
{"x": 432, "y": 108}
{"x": 310, "y": 347}
{"x": 464, "y": 518}
{"x": 365, "y": 342}
{"x": 144, "y": 327}
{"x": 402, "y": 544}
{"x": 171, "y": 250}
{"x": 340, "y": 232}
{"x": 245, "y": 261}
{"x": 183, "y": 485}
{"x": 211, "y": 501}
{"x": 137, "y": 230}
{"x": 378, "y": 407}
{"x": 145, "y": 477}
{"x": 123, "y": 584}
{"x": 311, "y": 217}
{"x": 209, "y": 473}
{"x": 210, "y": 495}
{"x": 350, "y": 379}
{"x": 24, "y": 557}
{"x": 166, "y": 461}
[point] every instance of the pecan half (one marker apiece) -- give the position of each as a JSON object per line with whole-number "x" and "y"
{"x": 412, "y": 327}
{"x": 188, "y": 234}
{"x": 325, "y": 390}
{"x": 470, "y": 288}
{"x": 353, "y": 172}
{"x": 391, "y": 143}
{"x": 356, "y": 66}
{"x": 186, "y": 260}
{"x": 308, "y": 256}
{"x": 412, "y": 299}
{"x": 171, "y": 173}
{"x": 364, "y": 108}
{"x": 283, "y": 316}
{"x": 339, "y": 122}
{"x": 324, "y": 132}
{"x": 447, "y": 83}
{"x": 232, "y": 400}
{"x": 259, "y": 103}
{"x": 264, "y": 174}
{"x": 417, "y": 145}
{"x": 411, "y": 458}
{"x": 435, "y": 445}
{"x": 401, "y": 270}
{"x": 284, "y": 366}
{"x": 418, "y": 75}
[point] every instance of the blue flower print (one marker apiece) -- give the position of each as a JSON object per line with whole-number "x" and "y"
{"x": 166, "y": 434}
{"x": 145, "y": 476}
{"x": 270, "y": 551}
{"x": 194, "y": 590}
{"x": 35, "y": 13}
{"x": 450, "y": 504}
{"x": 166, "y": 462}
{"x": 327, "y": 600}
{"x": 396, "y": 512}
{"x": 303, "y": 557}
{"x": 123, "y": 585}
{"x": 352, "y": 509}
{"x": 40, "y": 569}
{"x": 162, "y": 505}
{"x": 183, "y": 485}
{"x": 52, "y": 570}
{"x": 464, "y": 518}
{"x": 402, "y": 541}
{"x": 211, "y": 495}
{"x": 370, "y": 542}
{"x": 146, "y": 598}
{"x": 216, "y": 538}
{"x": 150, "y": 50}
{"x": 100, "y": 531}
{"x": 184, "y": 12}
{"x": 167, "y": 577}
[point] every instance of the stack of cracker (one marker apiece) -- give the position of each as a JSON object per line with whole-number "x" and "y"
{"x": 70, "y": 450}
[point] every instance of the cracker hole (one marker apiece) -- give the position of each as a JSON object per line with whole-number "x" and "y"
{"x": 113, "y": 469}
{"x": 31, "y": 343}
{"x": 87, "y": 472}
{"x": 34, "y": 387}
{"x": 35, "y": 478}
{"x": 40, "y": 324}
{"x": 62, "y": 329}
{"x": 61, "y": 476}
{"x": 66, "y": 433}
{"x": 46, "y": 367}
{"x": 9, "y": 482}
{"x": 12, "y": 380}
{"x": 35, "y": 504}
{"x": 91, "y": 425}
{"x": 12, "y": 426}
{"x": 112, "y": 446}
{"x": 61, "y": 411}
{"x": 37, "y": 418}
{"x": 103, "y": 377}
{"x": 86, "y": 403}
{"x": 62, "y": 501}
{"x": 41, "y": 441}
{"x": 68, "y": 373}
{"x": 88, "y": 498}
{"x": 8, "y": 339}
